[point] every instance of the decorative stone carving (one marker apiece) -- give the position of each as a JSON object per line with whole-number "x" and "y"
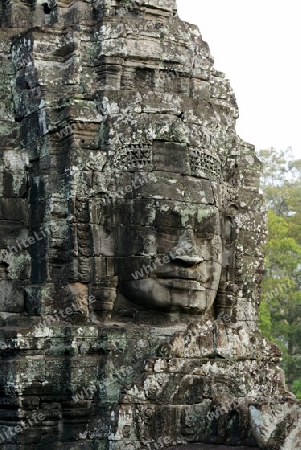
{"x": 131, "y": 238}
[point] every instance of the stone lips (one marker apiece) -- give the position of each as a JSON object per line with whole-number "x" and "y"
{"x": 96, "y": 96}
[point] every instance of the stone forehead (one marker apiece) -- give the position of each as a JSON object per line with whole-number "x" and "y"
{"x": 197, "y": 162}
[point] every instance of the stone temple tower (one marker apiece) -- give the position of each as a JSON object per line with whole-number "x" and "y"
{"x": 131, "y": 235}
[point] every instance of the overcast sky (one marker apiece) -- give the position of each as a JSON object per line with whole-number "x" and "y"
{"x": 257, "y": 44}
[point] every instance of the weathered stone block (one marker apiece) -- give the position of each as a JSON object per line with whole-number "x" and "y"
{"x": 11, "y": 296}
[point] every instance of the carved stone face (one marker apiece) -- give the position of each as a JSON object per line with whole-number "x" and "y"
{"x": 169, "y": 243}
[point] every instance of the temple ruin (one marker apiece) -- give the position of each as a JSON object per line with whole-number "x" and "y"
{"x": 132, "y": 233}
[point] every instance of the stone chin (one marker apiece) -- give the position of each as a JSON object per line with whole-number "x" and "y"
{"x": 169, "y": 294}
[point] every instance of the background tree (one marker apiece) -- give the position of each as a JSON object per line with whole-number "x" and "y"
{"x": 280, "y": 310}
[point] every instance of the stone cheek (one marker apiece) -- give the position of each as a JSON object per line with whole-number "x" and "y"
{"x": 119, "y": 157}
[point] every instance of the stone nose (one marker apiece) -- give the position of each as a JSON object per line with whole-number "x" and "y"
{"x": 186, "y": 251}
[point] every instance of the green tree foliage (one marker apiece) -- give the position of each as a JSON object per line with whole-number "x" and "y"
{"x": 280, "y": 310}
